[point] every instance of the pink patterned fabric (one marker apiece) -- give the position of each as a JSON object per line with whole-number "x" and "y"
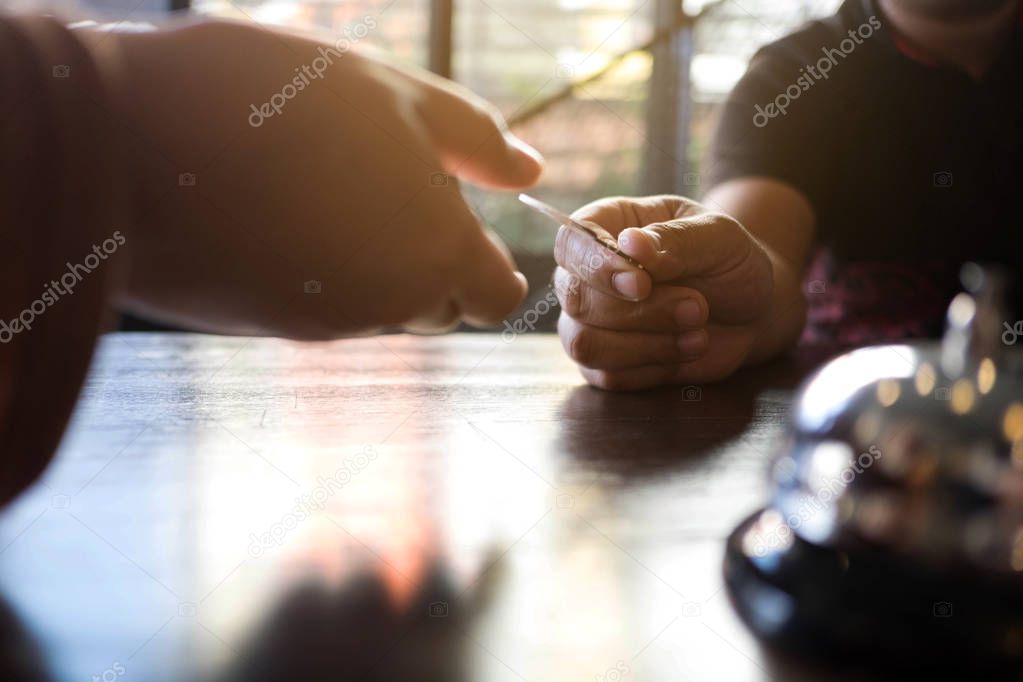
{"x": 868, "y": 302}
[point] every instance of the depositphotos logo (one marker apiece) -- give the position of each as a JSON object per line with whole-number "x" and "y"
{"x": 53, "y": 292}
{"x": 307, "y": 73}
{"x": 810, "y": 76}
{"x": 312, "y": 502}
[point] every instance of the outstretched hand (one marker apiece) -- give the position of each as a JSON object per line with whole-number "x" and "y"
{"x": 349, "y": 181}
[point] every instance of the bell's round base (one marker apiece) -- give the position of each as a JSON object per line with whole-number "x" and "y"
{"x": 867, "y": 608}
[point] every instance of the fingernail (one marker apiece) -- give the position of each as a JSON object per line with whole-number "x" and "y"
{"x": 693, "y": 343}
{"x": 688, "y": 314}
{"x": 523, "y": 282}
{"x": 626, "y": 284}
{"x": 627, "y": 235}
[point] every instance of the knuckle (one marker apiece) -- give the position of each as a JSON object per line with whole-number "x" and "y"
{"x": 559, "y": 279}
{"x": 582, "y": 300}
{"x": 486, "y": 121}
{"x": 676, "y": 237}
{"x": 487, "y": 114}
{"x": 582, "y": 346}
{"x": 605, "y": 380}
{"x": 437, "y": 279}
{"x": 577, "y": 299}
{"x": 570, "y": 249}
{"x": 605, "y": 205}
{"x": 725, "y": 225}
{"x": 597, "y": 264}
{"x": 569, "y": 294}
{"x": 561, "y": 247}
{"x": 585, "y": 261}
{"x": 598, "y": 379}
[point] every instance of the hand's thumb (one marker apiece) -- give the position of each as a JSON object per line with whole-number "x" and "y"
{"x": 684, "y": 248}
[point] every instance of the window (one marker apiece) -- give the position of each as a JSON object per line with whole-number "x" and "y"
{"x": 523, "y": 55}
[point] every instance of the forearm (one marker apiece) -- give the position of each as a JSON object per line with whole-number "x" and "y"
{"x": 63, "y": 210}
{"x": 782, "y": 324}
{"x": 780, "y": 218}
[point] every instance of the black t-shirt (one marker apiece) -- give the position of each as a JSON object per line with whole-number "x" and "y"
{"x": 911, "y": 167}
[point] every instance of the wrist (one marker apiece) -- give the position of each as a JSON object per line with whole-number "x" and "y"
{"x": 780, "y": 326}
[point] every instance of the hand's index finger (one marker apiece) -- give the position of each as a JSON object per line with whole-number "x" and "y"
{"x": 597, "y": 266}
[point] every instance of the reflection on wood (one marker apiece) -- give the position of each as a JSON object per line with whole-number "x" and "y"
{"x": 395, "y": 508}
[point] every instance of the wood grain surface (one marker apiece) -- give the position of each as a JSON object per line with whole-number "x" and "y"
{"x": 400, "y": 508}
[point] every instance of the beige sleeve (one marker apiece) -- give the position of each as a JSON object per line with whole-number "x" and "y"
{"x": 63, "y": 213}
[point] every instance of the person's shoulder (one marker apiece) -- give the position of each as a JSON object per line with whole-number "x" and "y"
{"x": 820, "y": 45}
{"x": 806, "y": 41}
{"x": 785, "y": 116}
